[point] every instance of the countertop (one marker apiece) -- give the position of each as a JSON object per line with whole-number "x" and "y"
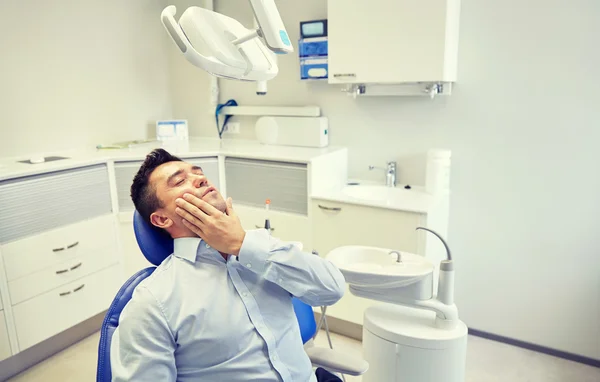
{"x": 414, "y": 200}
{"x": 196, "y": 147}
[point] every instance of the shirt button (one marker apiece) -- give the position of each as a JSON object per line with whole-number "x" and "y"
{"x": 280, "y": 280}
{"x": 248, "y": 265}
{"x": 244, "y": 294}
{"x": 274, "y": 358}
{"x": 207, "y": 246}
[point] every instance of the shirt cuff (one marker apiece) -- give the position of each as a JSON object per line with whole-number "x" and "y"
{"x": 255, "y": 250}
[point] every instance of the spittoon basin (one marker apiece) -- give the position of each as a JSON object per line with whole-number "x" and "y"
{"x": 374, "y": 267}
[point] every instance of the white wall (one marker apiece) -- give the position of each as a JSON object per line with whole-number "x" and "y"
{"x": 523, "y": 128}
{"x": 80, "y": 72}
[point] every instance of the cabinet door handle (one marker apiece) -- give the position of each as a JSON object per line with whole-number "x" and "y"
{"x": 64, "y": 293}
{"x": 330, "y": 208}
{"x": 73, "y": 245}
{"x": 58, "y": 249}
{"x": 337, "y": 75}
{"x": 62, "y": 271}
{"x": 79, "y": 288}
{"x": 76, "y": 266}
{"x": 257, "y": 226}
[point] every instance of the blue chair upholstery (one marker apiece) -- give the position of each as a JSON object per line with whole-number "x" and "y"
{"x": 111, "y": 321}
{"x": 157, "y": 246}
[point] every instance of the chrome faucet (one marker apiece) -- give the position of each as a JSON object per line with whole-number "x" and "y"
{"x": 390, "y": 173}
{"x": 399, "y": 256}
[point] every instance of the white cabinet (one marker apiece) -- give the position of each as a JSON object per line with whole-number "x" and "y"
{"x": 5, "y": 351}
{"x": 285, "y": 226}
{"x": 399, "y": 41}
{"x": 251, "y": 182}
{"x": 59, "y": 309}
{"x": 339, "y": 224}
{"x": 56, "y": 254}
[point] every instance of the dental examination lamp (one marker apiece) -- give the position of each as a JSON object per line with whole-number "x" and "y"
{"x": 223, "y": 47}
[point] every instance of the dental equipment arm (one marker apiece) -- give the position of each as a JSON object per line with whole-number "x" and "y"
{"x": 223, "y": 47}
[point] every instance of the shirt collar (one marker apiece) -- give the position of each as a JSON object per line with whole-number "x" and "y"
{"x": 186, "y": 248}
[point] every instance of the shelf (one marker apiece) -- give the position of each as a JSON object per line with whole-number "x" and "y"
{"x": 281, "y": 111}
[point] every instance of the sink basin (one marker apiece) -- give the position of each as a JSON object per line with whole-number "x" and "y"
{"x": 372, "y": 267}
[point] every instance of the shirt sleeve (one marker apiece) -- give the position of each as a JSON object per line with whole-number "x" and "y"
{"x": 143, "y": 346}
{"x": 310, "y": 278}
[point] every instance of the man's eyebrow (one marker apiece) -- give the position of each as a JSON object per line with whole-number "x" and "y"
{"x": 176, "y": 173}
{"x": 197, "y": 168}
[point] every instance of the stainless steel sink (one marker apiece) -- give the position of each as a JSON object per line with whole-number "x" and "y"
{"x": 46, "y": 159}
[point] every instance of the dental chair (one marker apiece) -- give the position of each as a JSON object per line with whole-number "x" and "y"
{"x": 156, "y": 246}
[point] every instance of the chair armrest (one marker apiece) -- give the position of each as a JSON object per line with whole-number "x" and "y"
{"x": 336, "y": 362}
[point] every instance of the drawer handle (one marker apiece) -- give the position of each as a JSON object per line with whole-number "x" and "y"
{"x": 79, "y": 288}
{"x": 65, "y": 293}
{"x": 76, "y": 266}
{"x": 62, "y": 271}
{"x": 272, "y": 229}
{"x": 67, "y": 247}
{"x": 330, "y": 208}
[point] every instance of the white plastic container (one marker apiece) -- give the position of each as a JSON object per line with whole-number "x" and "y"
{"x": 438, "y": 172}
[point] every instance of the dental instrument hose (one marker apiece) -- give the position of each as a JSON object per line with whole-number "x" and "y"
{"x": 445, "y": 292}
{"x": 220, "y": 130}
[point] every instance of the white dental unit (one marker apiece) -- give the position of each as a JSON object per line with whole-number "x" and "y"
{"x": 421, "y": 341}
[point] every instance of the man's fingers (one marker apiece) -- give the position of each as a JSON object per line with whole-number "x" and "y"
{"x": 190, "y": 208}
{"x": 191, "y": 218}
{"x": 229, "y": 211}
{"x": 201, "y": 204}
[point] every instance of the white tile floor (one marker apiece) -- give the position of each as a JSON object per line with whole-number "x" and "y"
{"x": 487, "y": 361}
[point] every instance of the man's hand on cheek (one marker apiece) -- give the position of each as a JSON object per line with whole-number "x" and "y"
{"x": 222, "y": 231}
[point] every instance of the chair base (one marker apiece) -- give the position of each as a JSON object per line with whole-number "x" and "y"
{"x": 45, "y": 349}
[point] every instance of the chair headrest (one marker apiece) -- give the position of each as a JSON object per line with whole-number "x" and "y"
{"x": 155, "y": 244}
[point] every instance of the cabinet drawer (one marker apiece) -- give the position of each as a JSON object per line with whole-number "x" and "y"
{"x": 37, "y": 203}
{"x": 50, "y": 248}
{"x": 338, "y": 224}
{"x": 50, "y": 313}
{"x": 125, "y": 171}
{"x": 37, "y": 283}
{"x": 253, "y": 181}
{"x": 285, "y": 226}
{"x": 5, "y": 351}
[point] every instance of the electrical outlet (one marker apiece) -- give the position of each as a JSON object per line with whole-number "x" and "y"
{"x": 232, "y": 128}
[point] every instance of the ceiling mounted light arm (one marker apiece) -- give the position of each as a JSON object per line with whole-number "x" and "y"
{"x": 223, "y": 47}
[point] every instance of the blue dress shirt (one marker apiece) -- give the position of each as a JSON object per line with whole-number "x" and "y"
{"x": 199, "y": 317}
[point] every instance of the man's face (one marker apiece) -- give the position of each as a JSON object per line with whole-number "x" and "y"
{"x": 173, "y": 179}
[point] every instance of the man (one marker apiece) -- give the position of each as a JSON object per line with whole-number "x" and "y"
{"x": 219, "y": 308}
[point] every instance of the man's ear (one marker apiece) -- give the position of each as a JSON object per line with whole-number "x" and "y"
{"x": 160, "y": 221}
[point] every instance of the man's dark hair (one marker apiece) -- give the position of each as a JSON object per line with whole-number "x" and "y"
{"x": 143, "y": 193}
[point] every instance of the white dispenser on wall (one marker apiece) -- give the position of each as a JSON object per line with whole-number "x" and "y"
{"x": 438, "y": 172}
{"x": 293, "y": 131}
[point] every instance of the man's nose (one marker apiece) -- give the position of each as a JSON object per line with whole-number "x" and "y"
{"x": 199, "y": 181}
